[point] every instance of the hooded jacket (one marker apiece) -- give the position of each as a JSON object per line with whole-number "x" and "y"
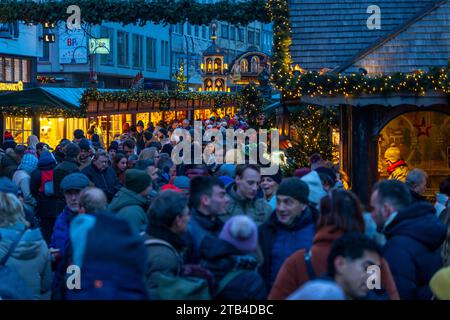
{"x": 132, "y": 207}
{"x": 294, "y": 273}
{"x": 257, "y": 209}
{"x": 278, "y": 242}
{"x": 220, "y": 257}
{"x": 23, "y": 180}
{"x": 199, "y": 227}
{"x": 106, "y": 180}
{"x": 412, "y": 250}
{"x": 316, "y": 190}
{"x": 68, "y": 166}
{"x": 31, "y": 258}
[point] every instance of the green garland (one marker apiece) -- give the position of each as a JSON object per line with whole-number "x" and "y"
{"x": 281, "y": 58}
{"x": 20, "y": 111}
{"x": 318, "y": 84}
{"x": 163, "y": 98}
{"x": 135, "y": 11}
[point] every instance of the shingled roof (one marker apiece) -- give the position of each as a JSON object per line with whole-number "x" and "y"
{"x": 333, "y": 33}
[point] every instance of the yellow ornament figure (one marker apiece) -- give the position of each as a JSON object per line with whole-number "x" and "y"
{"x": 397, "y": 167}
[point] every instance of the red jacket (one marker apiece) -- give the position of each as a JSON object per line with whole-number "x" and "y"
{"x": 294, "y": 274}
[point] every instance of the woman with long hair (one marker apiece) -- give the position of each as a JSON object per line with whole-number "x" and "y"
{"x": 120, "y": 165}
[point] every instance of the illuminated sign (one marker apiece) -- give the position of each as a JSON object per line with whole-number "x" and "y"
{"x": 99, "y": 46}
{"x": 11, "y": 86}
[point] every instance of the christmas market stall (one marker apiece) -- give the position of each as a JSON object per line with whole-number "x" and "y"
{"x": 49, "y": 113}
{"x": 112, "y": 110}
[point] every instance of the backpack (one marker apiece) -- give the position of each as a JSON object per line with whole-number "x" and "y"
{"x": 186, "y": 288}
{"x": 47, "y": 187}
{"x": 12, "y": 286}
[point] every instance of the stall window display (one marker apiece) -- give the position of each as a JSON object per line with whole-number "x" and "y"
{"x": 144, "y": 117}
{"x": 421, "y": 139}
{"x": 52, "y": 130}
{"x": 20, "y": 128}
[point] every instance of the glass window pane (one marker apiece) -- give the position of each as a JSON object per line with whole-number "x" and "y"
{"x": 122, "y": 48}
{"x": 107, "y": 59}
{"x": 17, "y": 74}
{"x": 8, "y": 69}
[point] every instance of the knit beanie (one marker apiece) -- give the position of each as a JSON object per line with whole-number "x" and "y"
{"x": 318, "y": 290}
{"x": 278, "y": 177}
{"x": 182, "y": 182}
{"x": 137, "y": 180}
{"x": 295, "y": 188}
{"x": 440, "y": 284}
{"x": 241, "y": 232}
{"x": 29, "y": 163}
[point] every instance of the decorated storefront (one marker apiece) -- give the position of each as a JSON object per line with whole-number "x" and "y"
{"x": 49, "y": 113}
{"x": 112, "y": 111}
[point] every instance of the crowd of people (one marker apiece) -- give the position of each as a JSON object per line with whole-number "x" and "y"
{"x": 138, "y": 226}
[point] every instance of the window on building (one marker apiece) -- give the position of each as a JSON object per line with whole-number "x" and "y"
{"x": 232, "y": 33}
{"x": 123, "y": 48}
{"x": 224, "y": 30}
{"x": 17, "y": 71}
{"x": 244, "y": 65}
{"x": 188, "y": 29}
{"x": 251, "y": 36}
{"x": 26, "y": 65}
{"x": 257, "y": 37}
{"x": 8, "y": 69}
{"x": 137, "y": 51}
{"x": 164, "y": 53}
{"x": 178, "y": 28}
{"x": 204, "y": 32}
{"x": 196, "y": 31}
{"x": 45, "y": 52}
{"x": 19, "y": 127}
{"x": 151, "y": 54}
{"x": 107, "y": 59}
{"x": 241, "y": 34}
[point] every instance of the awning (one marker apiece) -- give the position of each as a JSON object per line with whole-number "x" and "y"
{"x": 44, "y": 100}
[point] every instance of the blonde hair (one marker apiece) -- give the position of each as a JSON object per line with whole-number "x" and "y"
{"x": 11, "y": 210}
{"x": 32, "y": 141}
{"x": 148, "y": 154}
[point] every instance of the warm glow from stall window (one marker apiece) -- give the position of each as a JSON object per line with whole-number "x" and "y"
{"x": 228, "y": 89}
{"x": 60, "y": 119}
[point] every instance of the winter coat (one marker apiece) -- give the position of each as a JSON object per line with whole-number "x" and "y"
{"x": 61, "y": 231}
{"x": 46, "y": 205}
{"x": 412, "y": 250}
{"x": 294, "y": 273}
{"x": 84, "y": 163}
{"x": 220, "y": 257}
{"x": 68, "y": 166}
{"x": 22, "y": 180}
{"x": 199, "y": 227}
{"x": 257, "y": 209}
{"x": 278, "y": 242}
{"x": 31, "y": 258}
{"x": 106, "y": 180}
{"x": 8, "y": 165}
{"x": 132, "y": 207}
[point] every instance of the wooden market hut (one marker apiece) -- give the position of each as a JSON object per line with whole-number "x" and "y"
{"x": 334, "y": 36}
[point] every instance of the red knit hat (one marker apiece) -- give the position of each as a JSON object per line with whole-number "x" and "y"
{"x": 171, "y": 187}
{"x": 8, "y": 136}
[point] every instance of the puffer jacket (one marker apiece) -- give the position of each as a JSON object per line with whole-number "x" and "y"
{"x": 221, "y": 258}
{"x": 31, "y": 258}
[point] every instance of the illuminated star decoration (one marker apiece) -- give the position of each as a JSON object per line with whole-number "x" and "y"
{"x": 423, "y": 129}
